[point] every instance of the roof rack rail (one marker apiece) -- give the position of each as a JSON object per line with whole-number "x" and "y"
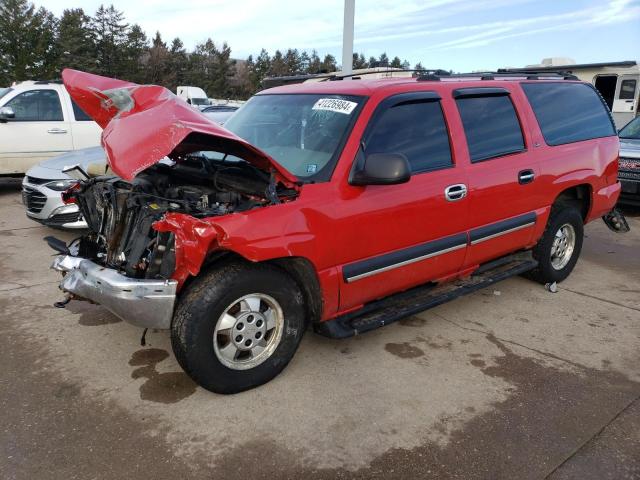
{"x": 45, "y": 82}
{"x": 538, "y": 73}
{"x": 338, "y": 76}
{"x": 435, "y": 76}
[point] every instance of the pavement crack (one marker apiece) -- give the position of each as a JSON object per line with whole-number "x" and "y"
{"x": 20, "y": 228}
{"x": 511, "y": 342}
{"x": 28, "y": 286}
{"x": 591, "y": 438}
{"x": 601, "y": 299}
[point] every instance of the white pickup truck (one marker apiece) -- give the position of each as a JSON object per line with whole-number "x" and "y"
{"x": 39, "y": 120}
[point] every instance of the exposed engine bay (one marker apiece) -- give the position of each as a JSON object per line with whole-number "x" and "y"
{"x": 120, "y": 214}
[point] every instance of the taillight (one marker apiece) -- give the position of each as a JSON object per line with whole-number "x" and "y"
{"x": 69, "y": 195}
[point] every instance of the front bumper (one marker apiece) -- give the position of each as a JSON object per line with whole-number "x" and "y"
{"x": 630, "y": 187}
{"x": 145, "y": 303}
{"x": 45, "y": 206}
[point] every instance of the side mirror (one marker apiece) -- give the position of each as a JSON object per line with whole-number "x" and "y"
{"x": 6, "y": 113}
{"x": 381, "y": 169}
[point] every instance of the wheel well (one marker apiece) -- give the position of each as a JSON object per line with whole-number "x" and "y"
{"x": 579, "y": 195}
{"x": 300, "y": 269}
{"x": 304, "y": 274}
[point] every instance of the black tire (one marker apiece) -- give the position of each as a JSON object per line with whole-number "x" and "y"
{"x": 201, "y": 307}
{"x": 545, "y": 272}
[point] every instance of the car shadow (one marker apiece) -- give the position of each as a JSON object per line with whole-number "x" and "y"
{"x": 629, "y": 210}
{"x": 10, "y": 185}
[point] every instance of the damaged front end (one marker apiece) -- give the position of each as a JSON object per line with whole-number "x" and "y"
{"x": 175, "y": 177}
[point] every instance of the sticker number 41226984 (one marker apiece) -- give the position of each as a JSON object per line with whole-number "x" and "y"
{"x": 335, "y": 105}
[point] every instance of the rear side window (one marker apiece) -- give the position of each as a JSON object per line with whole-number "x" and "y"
{"x": 568, "y": 112}
{"x": 416, "y": 130}
{"x": 491, "y": 126}
{"x": 37, "y": 106}
{"x": 79, "y": 114}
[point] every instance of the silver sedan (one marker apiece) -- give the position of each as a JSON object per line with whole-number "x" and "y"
{"x": 44, "y": 183}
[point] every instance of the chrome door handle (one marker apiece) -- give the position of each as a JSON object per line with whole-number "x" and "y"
{"x": 525, "y": 176}
{"x": 455, "y": 192}
{"x": 56, "y": 130}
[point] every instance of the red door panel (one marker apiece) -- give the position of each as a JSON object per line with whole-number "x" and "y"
{"x": 415, "y": 216}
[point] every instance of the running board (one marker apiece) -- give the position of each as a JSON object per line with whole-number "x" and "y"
{"x": 404, "y": 304}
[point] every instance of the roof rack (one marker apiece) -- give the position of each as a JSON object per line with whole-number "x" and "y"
{"x": 533, "y": 72}
{"x": 417, "y": 72}
{"x": 529, "y": 75}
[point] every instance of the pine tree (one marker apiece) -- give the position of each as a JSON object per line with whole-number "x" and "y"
{"x": 75, "y": 43}
{"x": 315, "y": 64}
{"x": 260, "y": 70}
{"x": 328, "y": 64}
{"x": 110, "y": 32}
{"x": 135, "y": 50}
{"x": 304, "y": 61}
{"x": 178, "y": 60}
{"x": 224, "y": 69}
{"x": 359, "y": 61}
{"x": 292, "y": 61}
{"x": 396, "y": 63}
{"x": 27, "y": 42}
{"x": 278, "y": 65}
{"x": 158, "y": 71}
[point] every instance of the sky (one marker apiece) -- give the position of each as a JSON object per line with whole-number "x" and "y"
{"x": 459, "y": 35}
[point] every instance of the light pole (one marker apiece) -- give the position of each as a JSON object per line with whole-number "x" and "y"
{"x": 347, "y": 37}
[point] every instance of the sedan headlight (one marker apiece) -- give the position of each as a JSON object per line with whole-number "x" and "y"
{"x": 60, "y": 185}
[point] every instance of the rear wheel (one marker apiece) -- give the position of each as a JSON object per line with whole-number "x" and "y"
{"x": 559, "y": 248}
{"x": 238, "y": 326}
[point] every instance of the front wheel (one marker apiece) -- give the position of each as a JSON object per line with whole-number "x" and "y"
{"x": 559, "y": 248}
{"x": 238, "y": 326}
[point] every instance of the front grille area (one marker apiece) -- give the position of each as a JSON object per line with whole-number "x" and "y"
{"x": 37, "y": 181}
{"x": 33, "y": 199}
{"x": 629, "y": 176}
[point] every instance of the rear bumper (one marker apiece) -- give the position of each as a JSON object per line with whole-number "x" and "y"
{"x": 604, "y": 200}
{"x": 142, "y": 302}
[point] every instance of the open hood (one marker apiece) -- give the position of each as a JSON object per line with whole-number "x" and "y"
{"x": 142, "y": 124}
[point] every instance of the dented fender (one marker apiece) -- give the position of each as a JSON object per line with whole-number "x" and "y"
{"x": 194, "y": 238}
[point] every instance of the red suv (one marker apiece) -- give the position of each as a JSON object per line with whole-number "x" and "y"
{"x": 344, "y": 205}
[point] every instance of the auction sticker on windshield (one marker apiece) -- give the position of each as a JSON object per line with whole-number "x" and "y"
{"x": 335, "y": 105}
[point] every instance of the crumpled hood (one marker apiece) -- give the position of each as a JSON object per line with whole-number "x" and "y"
{"x": 85, "y": 158}
{"x": 142, "y": 124}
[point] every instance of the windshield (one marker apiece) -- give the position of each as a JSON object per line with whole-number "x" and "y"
{"x": 302, "y": 132}
{"x": 200, "y": 101}
{"x": 4, "y": 91}
{"x": 631, "y": 130}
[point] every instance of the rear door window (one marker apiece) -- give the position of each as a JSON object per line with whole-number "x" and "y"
{"x": 568, "y": 112}
{"x": 414, "y": 128}
{"x": 490, "y": 125}
{"x": 37, "y": 106}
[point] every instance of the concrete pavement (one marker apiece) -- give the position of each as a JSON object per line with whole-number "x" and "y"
{"x": 511, "y": 382}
